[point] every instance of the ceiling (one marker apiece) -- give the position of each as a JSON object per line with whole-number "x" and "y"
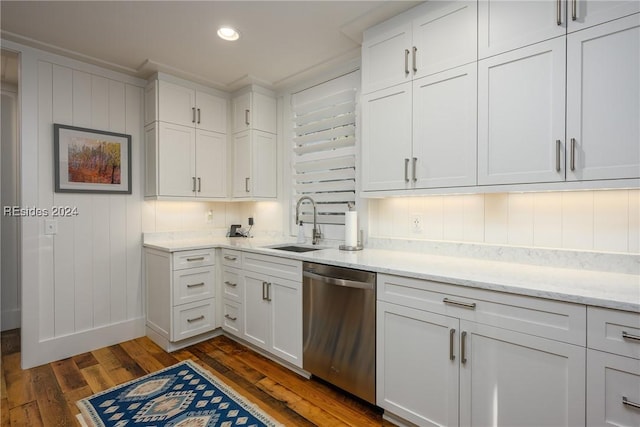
{"x": 281, "y": 42}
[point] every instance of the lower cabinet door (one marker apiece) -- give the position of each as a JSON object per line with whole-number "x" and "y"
{"x": 257, "y": 310}
{"x": 417, "y": 365}
{"x": 286, "y": 325}
{"x": 512, "y": 379}
{"x": 193, "y": 319}
{"x": 613, "y": 390}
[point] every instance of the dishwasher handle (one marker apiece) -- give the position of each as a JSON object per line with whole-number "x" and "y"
{"x": 338, "y": 282}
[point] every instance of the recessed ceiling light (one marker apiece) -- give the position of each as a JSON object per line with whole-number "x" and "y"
{"x": 228, "y": 33}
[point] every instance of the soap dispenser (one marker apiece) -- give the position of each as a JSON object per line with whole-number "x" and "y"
{"x": 301, "y": 238}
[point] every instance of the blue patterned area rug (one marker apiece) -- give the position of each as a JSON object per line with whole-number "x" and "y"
{"x": 182, "y": 395}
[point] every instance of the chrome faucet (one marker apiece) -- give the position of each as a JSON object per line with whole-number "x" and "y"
{"x": 316, "y": 235}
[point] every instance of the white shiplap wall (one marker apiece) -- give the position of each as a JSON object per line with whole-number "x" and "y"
{"x": 83, "y": 287}
{"x": 602, "y": 221}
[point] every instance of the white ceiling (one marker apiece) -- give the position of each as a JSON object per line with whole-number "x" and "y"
{"x": 280, "y": 42}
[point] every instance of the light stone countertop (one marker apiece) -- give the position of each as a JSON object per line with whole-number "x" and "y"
{"x": 603, "y": 289}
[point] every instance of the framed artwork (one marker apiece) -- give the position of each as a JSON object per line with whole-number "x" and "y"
{"x": 91, "y": 161}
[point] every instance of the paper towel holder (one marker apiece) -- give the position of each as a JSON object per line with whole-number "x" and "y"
{"x": 358, "y": 247}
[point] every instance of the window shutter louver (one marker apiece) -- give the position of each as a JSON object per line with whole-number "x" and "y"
{"x": 324, "y": 150}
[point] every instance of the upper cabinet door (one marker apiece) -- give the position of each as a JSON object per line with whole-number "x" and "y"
{"x": 262, "y": 115}
{"x": 386, "y": 139}
{"x": 211, "y": 112}
{"x": 211, "y": 164}
{"x": 521, "y": 115}
{"x": 603, "y": 101}
{"x": 177, "y": 104}
{"x": 507, "y": 25}
{"x": 386, "y": 58}
{"x": 176, "y": 160}
{"x": 241, "y": 106}
{"x": 444, "y": 37}
{"x": 444, "y": 128}
{"x": 587, "y": 13}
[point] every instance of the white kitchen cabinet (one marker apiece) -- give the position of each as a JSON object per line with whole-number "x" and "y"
{"x": 254, "y": 110}
{"x": 613, "y": 368}
{"x": 254, "y": 164}
{"x": 503, "y": 356}
{"x": 273, "y": 305}
{"x": 427, "y": 39}
{"x": 444, "y": 129}
{"x": 185, "y": 141}
{"x": 387, "y": 138}
{"x": 232, "y": 292}
{"x": 183, "y": 105}
{"x": 521, "y": 115}
{"x": 587, "y": 13}
{"x": 184, "y": 162}
{"x": 417, "y": 367}
{"x": 508, "y": 25}
{"x": 513, "y": 379}
{"x": 603, "y": 101}
{"x": 180, "y": 296}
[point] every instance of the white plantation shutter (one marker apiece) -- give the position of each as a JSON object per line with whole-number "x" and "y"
{"x": 324, "y": 151}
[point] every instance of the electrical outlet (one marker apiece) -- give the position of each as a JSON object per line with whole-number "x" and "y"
{"x": 417, "y": 222}
{"x": 209, "y": 217}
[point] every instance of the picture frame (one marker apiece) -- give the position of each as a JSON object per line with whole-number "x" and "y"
{"x": 91, "y": 161}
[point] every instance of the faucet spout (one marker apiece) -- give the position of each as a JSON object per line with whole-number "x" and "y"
{"x": 316, "y": 235}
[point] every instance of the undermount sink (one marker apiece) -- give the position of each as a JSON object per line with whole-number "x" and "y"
{"x": 295, "y": 248}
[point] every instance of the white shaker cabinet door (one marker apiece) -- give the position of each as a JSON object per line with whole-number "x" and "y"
{"x": 444, "y": 37}
{"x": 512, "y": 379}
{"x": 417, "y": 358}
{"x": 444, "y": 128}
{"x": 386, "y": 58}
{"x": 603, "y": 101}
{"x": 587, "y": 13}
{"x": 286, "y": 326}
{"x": 241, "y": 164}
{"x": 211, "y": 112}
{"x": 386, "y": 138}
{"x": 257, "y": 311}
{"x": 211, "y": 164}
{"x": 176, "y": 104}
{"x": 507, "y": 25}
{"x": 176, "y": 160}
{"x": 521, "y": 115}
{"x": 262, "y": 182}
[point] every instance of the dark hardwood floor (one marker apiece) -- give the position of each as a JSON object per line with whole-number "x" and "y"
{"x": 46, "y": 395}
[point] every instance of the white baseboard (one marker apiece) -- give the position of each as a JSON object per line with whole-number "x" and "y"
{"x": 10, "y": 319}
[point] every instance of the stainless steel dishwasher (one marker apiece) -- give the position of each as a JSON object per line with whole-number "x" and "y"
{"x": 339, "y": 327}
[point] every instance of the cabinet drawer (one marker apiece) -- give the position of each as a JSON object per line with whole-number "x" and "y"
{"x": 232, "y": 284}
{"x": 535, "y": 316}
{"x": 194, "y": 258}
{"x": 193, "y": 284}
{"x": 193, "y": 319}
{"x": 614, "y": 331}
{"x": 232, "y": 317}
{"x": 611, "y": 381}
{"x": 283, "y": 268}
{"x": 231, "y": 258}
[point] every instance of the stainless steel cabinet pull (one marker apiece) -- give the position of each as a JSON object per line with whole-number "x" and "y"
{"x": 627, "y": 402}
{"x": 559, "y": 12}
{"x": 469, "y": 305}
{"x": 233, "y": 319}
{"x": 195, "y": 319}
{"x": 264, "y": 291}
{"x": 574, "y": 10}
{"x": 558, "y": 147}
{"x": 230, "y": 258}
{"x": 193, "y": 114}
{"x": 200, "y": 258}
{"x": 198, "y": 116}
{"x": 413, "y": 169}
{"x": 629, "y": 336}
{"x": 268, "y": 291}
{"x": 246, "y": 117}
{"x": 452, "y": 333}
{"x": 463, "y": 347}
{"x": 228, "y": 283}
{"x": 406, "y": 170}
{"x": 415, "y": 65}
{"x": 573, "y": 154}
{"x": 199, "y": 185}
{"x": 246, "y": 185}
{"x": 406, "y": 62}
{"x": 193, "y": 187}
{"x": 195, "y": 285}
